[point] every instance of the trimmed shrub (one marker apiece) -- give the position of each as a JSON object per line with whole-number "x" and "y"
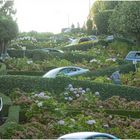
{"x": 108, "y": 71}
{"x": 2, "y": 69}
{"x": 13, "y": 114}
{"x": 127, "y": 113}
{"x": 30, "y": 73}
{"x": 57, "y": 85}
{"x": 82, "y": 46}
{"x": 39, "y": 55}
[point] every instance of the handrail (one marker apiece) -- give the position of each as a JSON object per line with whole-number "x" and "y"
{"x": 1, "y": 103}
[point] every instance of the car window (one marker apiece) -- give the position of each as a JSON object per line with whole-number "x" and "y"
{"x": 138, "y": 55}
{"x": 84, "y": 40}
{"x": 64, "y": 71}
{"x": 99, "y": 137}
{"x": 131, "y": 55}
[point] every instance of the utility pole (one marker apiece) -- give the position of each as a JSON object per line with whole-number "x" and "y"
{"x": 68, "y": 21}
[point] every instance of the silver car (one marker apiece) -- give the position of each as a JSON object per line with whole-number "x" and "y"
{"x": 87, "y": 135}
{"x": 68, "y": 71}
{"x": 133, "y": 56}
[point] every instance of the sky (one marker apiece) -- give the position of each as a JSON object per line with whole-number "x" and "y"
{"x": 50, "y": 15}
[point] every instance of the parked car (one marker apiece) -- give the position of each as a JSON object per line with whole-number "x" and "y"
{"x": 87, "y": 135}
{"x": 80, "y": 40}
{"x": 50, "y": 50}
{"x": 109, "y": 38}
{"x": 133, "y": 56}
{"x": 68, "y": 71}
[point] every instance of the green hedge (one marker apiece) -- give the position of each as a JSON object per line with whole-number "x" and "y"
{"x": 58, "y": 85}
{"x": 2, "y": 69}
{"x": 86, "y": 45}
{"x": 127, "y": 113}
{"x": 108, "y": 71}
{"x": 13, "y": 119}
{"x": 30, "y": 73}
{"x": 82, "y": 46}
{"x": 39, "y": 55}
{"x": 13, "y": 114}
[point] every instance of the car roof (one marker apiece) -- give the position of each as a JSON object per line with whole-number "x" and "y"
{"x": 83, "y": 135}
{"x": 134, "y": 52}
{"x": 59, "y": 68}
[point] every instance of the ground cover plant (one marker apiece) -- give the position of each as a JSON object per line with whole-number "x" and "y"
{"x": 45, "y": 115}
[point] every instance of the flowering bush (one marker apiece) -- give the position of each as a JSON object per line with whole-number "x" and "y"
{"x": 48, "y": 116}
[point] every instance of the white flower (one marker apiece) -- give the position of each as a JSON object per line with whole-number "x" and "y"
{"x": 72, "y": 120}
{"x": 83, "y": 91}
{"x": 46, "y": 97}
{"x": 80, "y": 89}
{"x": 70, "y": 99}
{"x": 70, "y": 86}
{"x": 41, "y": 94}
{"x": 91, "y": 122}
{"x": 77, "y": 95}
{"x": 106, "y": 126}
{"x": 66, "y": 98}
{"x": 108, "y": 78}
{"x": 56, "y": 109}
{"x": 29, "y": 62}
{"x": 111, "y": 59}
{"x": 87, "y": 89}
{"x": 100, "y": 106}
{"x": 97, "y": 93}
{"x": 93, "y": 60}
{"x": 40, "y": 104}
{"x": 65, "y": 93}
{"x": 61, "y": 122}
{"x": 71, "y": 89}
{"x": 75, "y": 92}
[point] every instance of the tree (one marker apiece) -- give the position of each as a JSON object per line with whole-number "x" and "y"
{"x": 8, "y": 30}
{"x": 89, "y": 26}
{"x": 126, "y": 19}
{"x": 101, "y": 20}
{"x": 8, "y": 27}
{"x": 101, "y": 12}
{"x": 6, "y": 7}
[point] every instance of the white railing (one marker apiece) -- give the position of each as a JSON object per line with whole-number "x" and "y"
{"x": 1, "y": 103}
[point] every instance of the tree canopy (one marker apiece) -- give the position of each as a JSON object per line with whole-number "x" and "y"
{"x": 126, "y": 19}
{"x": 8, "y": 27}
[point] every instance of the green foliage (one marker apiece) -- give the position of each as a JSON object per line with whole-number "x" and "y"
{"x": 2, "y": 69}
{"x": 11, "y": 31}
{"x": 101, "y": 20}
{"x": 57, "y": 85}
{"x": 39, "y": 56}
{"x": 13, "y": 115}
{"x": 82, "y": 46}
{"x": 89, "y": 26}
{"x": 108, "y": 71}
{"x": 126, "y": 18}
{"x": 30, "y": 73}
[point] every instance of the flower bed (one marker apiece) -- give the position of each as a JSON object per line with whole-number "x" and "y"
{"x": 45, "y": 117}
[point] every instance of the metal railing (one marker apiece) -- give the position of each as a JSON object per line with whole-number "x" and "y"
{"x": 1, "y": 103}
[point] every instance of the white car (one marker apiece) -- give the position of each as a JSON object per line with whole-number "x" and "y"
{"x": 68, "y": 71}
{"x": 87, "y": 135}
